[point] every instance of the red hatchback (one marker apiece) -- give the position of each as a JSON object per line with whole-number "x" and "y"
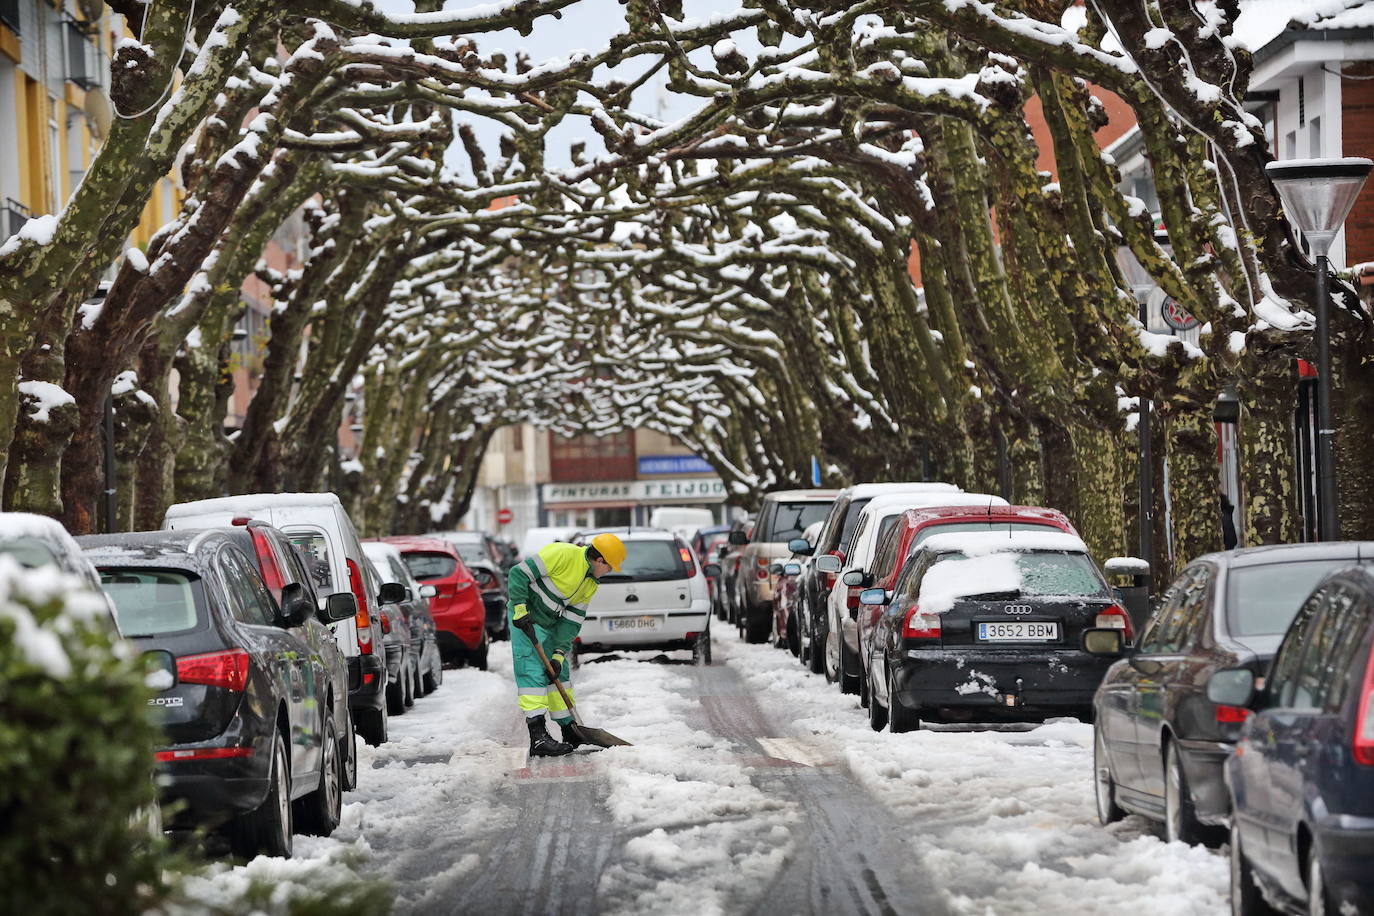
{"x": 456, "y": 605}
{"x": 913, "y": 527}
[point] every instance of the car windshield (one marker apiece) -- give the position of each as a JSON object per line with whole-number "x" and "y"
{"x": 430, "y": 565}
{"x": 851, "y": 521}
{"x": 965, "y": 527}
{"x": 791, "y": 519}
{"x": 151, "y": 602}
{"x": 649, "y": 561}
{"x": 1262, "y": 600}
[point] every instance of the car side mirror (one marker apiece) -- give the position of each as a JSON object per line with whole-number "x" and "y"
{"x": 828, "y": 564}
{"x": 1126, "y": 566}
{"x": 800, "y": 546}
{"x": 791, "y": 569}
{"x": 339, "y": 606}
{"x": 391, "y": 593}
{"x": 711, "y": 570}
{"x": 874, "y": 597}
{"x": 722, "y": 550}
{"x": 738, "y": 538}
{"x": 856, "y": 578}
{"x": 1104, "y": 642}
{"x": 295, "y": 605}
{"x": 1232, "y": 687}
{"x": 428, "y": 591}
{"x": 775, "y": 569}
{"x": 159, "y": 669}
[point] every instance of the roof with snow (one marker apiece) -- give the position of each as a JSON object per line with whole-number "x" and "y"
{"x": 985, "y": 543}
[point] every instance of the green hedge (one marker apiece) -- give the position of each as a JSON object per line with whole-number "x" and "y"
{"x": 75, "y": 754}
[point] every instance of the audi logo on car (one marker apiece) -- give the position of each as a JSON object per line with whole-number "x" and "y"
{"x": 1017, "y": 609}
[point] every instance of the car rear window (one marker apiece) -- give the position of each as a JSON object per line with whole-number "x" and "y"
{"x": 473, "y": 553}
{"x": 1018, "y": 574}
{"x": 429, "y": 565}
{"x": 649, "y": 561}
{"x": 791, "y": 519}
{"x": 151, "y": 602}
{"x": 1263, "y": 600}
{"x": 313, "y": 549}
{"x": 965, "y": 527}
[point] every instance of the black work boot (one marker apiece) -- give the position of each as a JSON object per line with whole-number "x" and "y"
{"x": 571, "y": 736}
{"x": 542, "y": 744}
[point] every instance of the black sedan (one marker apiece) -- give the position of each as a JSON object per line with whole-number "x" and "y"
{"x": 983, "y": 627}
{"x": 1159, "y": 743}
{"x": 1302, "y": 776}
{"x": 244, "y": 702}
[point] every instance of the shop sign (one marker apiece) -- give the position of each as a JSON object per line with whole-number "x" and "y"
{"x": 674, "y": 464}
{"x": 688, "y": 489}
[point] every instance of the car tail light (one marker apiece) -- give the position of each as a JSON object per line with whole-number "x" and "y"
{"x": 202, "y": 753}
{"x": 852, "y": 601}
{"x": 1115, "y": 618}
{"x": 386, "y": 623}
{"x": 1231, "y": 715}
{"x": 687, "y": 561}
{"x": 459, "y": 586}
{"x": 1363, "y": 748}
{"x": 363, "y": 619}
{"x": 227, "y": 669}
{"x": 240, "y": 520}
{"x": 690, "y": 636}
{"x": 917, "y": 625}
{"x": 267, "y": 562}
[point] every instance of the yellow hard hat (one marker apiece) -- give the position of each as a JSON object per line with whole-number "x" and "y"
{"x": 611, "y": 548}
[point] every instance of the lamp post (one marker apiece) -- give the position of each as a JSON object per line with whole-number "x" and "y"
{"x": 1317, "y": 195}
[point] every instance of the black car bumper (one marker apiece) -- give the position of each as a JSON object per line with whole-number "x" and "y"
{"x": 366, "y": 681}
{"x": 1203, "y": 763}
{"x": 207, "y": 793}
{"x": 997, "y": 682}
{"x": 494, "y": 604}
{"x": 1346, "y": 844}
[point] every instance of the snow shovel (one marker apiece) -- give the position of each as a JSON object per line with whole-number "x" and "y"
{"x": 597, "y": 736}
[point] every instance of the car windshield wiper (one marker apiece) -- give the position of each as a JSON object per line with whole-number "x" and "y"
{"x": 616, "y": 577}
{"x": 994, "y": 596}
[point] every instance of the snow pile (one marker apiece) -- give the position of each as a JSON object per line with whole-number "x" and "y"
{"x": 42, "y": 398}
{"x": 949, "y": 580}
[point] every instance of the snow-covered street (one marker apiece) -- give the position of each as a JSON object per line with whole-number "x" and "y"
{"x": 753, "y": 786}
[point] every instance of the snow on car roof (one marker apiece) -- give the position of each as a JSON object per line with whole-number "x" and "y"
{"x": 868, "y": 490}
{"x": 27, "y": 524}
{"x": 250, "y": 503}
{"x": 897, "y": 502}
{"x": 987, "y": 543}
{"x": 380, "y": 549}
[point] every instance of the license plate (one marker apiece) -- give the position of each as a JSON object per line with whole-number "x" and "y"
{"x": 1019, "y": 631}
{"x": 633, "y": 623}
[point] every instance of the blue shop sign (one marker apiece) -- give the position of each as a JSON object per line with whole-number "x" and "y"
{"x": 674, "y": 464}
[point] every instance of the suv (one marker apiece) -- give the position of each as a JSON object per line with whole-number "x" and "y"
{"x": 814, "y": 585}
{"x": 245, "y": 699}
{"x": 320, "y": 529}
{"x": 784, "y": 515}
{"x": 658, "y": 599}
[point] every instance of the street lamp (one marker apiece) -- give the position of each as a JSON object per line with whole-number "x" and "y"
{"x": 1317, "y": 195}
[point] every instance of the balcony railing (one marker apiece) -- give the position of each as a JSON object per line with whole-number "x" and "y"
{"x": 15, "y": 216}
{"x": 9, "y": 14}
{"x": 85, "y": 61}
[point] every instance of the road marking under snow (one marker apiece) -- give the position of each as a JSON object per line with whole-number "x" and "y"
{"x": 793, "y": 750}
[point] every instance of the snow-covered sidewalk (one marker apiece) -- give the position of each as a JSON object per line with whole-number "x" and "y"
{"x": 703, "y": 816}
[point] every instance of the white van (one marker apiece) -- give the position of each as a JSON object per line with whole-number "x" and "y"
{"x": 320, "y": 529}
{"x": 683, "y": 521}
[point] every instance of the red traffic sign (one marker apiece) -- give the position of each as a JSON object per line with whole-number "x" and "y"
{"x": 505, "y": 516}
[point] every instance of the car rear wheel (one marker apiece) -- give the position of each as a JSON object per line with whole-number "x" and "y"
{"x": 372, "y": 725}
{"x": 831, "y": 657}
{"x": 850, "y": 675}
{"x": 1180, "y": 820}
{"x": 396, "y": 693}
{"x": 412, "y": 685}
{"x": 318, "y": 813}
{"x": 479, "y": 657}
{"x": 1246, "y": 897}
{"x": 433, "y": 678}
{"x": 701, "y": 649}
{"x": 758, "y": 623}
{"x": 1108, "y": 811}
{"x": 816, "y": 659}
{"x": 266, "y": 830}
{"x": 877, "y": 712}
{"x": 899, "y": 718}
{"x": 348, "y": 757}
{"x": 793, "y": 636}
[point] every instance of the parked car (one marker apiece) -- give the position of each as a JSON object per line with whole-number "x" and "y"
{"x": 456, "y": 605}
{"x": 322, "y": 532}
{"x": 730, "y": 554}
{"x": 491, "y": 580}
{"x": 786, "y": 617}
{"x": 1302, "y": 776}
{"x": 914, "y": 526}
{"x": 683, "y": 521}
{"x": 783, "y": 516}
{"x": 536, "y": 539}
{"x": 835, "y": 536}
{"x": 879, "y": 518}
{"x": 35, "y": 541}
{"x": 402, "y": 665}
{"x": 1159, "y": 743}
{"x": 657, "y": 599}
{"x": 706, "y": 543}
{"x": 988, "y": 627}
{"x": 280, "y": 565}
{"x": 248, "y": 714}
{"x": 408, "y": 596}
{"x": 474, "y": 547}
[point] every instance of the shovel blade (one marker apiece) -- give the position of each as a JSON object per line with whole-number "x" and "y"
{"x": 600, "y": 737}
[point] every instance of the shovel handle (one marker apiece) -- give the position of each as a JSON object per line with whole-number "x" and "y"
{"x": 553, "y": 679}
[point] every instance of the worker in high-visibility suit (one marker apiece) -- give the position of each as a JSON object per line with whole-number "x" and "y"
{"x": 548, "y": 595}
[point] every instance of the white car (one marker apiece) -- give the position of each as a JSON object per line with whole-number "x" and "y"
{"x": 842, "y": 662}
{"x": 324, "y": 535}
{"x": 658, "y": 599}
